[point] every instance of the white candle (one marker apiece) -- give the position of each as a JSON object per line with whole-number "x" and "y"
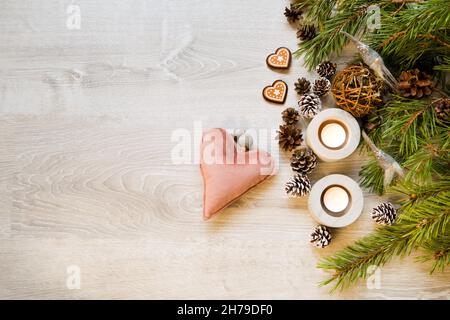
{"x": 335, "y": 199}
{"x": 333, "y": 135}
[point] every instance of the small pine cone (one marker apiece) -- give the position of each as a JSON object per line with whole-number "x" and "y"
{"x": 415, "y": 84}
{"x": 302, "y": 86}
{"x": 290, "y": 116}
{"x": 303, "y": 160}
{"x": 384, "y": 214}
{"x": 321, "y": 237}
{"x": 306, "y": 32}
{"x": 442, "y": 109}
{"x": 292, "y": 14}
{"x": 289, "y": 137}
{"x": 298, "y": 186}
{"x": 321, "y": 86}
{"x": 326, "y": 69}
{"x": 309, "y": 105}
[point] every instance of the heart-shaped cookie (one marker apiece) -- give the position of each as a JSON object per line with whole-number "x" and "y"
{"x": 277, "y": 92}
{"x": 228, "y": 172}
{"x": 281, "y": 59}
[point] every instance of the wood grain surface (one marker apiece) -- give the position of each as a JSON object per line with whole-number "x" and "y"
{"x": 87, "y": 120}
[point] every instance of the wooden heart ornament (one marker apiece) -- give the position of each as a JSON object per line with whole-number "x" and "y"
{"x": 281, "y": 59}
{"x": 227, "y": 171}
{"x": 277, "y": 92}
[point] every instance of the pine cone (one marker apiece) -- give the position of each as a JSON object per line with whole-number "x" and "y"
{"x": 326, "y": 69}
{"x": 321, "y": 237}
{"x": 309, "y": 105}
{"x": 302, "y": 86}
{"x": 289, "y": 137}
{"x": 290, "y": 116}
{"x": 298, "y": 186}
{"x": 385, "y": 213}
{"x": 303, "y": 160}
{"x": 321, "y": 86}
{"x": 442, "y": 109}
{"x": 292, "y": 14}
{"x": 415, "y": 84}
{"x": 306, "y": 32}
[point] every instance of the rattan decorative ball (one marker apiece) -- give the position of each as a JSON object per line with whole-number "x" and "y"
{"x": 357, "y": 90}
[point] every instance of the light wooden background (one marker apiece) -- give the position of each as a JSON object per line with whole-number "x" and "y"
{"x": 86, "y": 176}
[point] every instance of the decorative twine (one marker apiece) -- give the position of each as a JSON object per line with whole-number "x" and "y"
{"x": 357, "y": 90}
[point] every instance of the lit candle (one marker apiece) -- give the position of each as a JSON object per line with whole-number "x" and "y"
{"x": 333, "y": 135}
{"x": 335, "y": 199}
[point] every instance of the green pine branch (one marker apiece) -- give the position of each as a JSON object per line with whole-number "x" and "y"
{"x": 406, "y": 35}
{"x": 316, "y": 11}
{"x": 414, "y": 33}
{"x": 406, "y": 120}
{"x": 372, "y": 176}
{"x": 438, "y": 251}
{"x": 421, "y": 222}
{"x": 349, "y": 16}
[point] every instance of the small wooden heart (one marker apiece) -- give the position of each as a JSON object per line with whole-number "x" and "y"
{"x": 277, "y": 92}
{"x": 281, "y": 59}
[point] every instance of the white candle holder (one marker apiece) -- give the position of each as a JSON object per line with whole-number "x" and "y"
{"x": 333, "y": 134}
{"x": 327, "y": 199}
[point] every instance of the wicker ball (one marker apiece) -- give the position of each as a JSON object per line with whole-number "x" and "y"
{"x": 357, "y": 90}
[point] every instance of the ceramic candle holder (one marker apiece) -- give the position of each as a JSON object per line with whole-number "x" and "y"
{"x": 336, "y": 201}
{"x": 333, "y": 134}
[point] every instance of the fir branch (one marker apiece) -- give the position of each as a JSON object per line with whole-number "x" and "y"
{"x": 444, "y": 66}
{"x": 437, "y": 251}
{"x": 413, "y": 136}
{"x": 416, "y": 32}
{"x": 350, "y": 17}
{"x": 406, "y": 119}
{"x": 431, "y": 160}
{"x": 317, "y": 11}
{"x": 372, "y": 176}
{"x": 422, "y": 222}
{"x": 413, "y": 193}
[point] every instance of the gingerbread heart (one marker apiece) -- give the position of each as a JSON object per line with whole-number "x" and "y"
{"x": 277, "y": 92}
{"x": 281, "y": 59}
{"x": 228, "y": 172}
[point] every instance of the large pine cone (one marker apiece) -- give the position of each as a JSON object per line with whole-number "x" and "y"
{"x": 306, "y": 32}
{"x": 292, "y": 14}
{"x": 289, "y": 137}
{"x": 415, "y": 84}
{"x": 303, "y": 160}
{"x": 290, "y": 116}
{"x": 309, "y": 105}
{"x": 442, "y": 109}
{"x": 326, "y": 69}
{"x": 298, "y": 186}
{"x": 320, "y": 237}
{"x": 321, "y": 86}
{"x": 302, "y": 86}
{"x": 384, "y": 214}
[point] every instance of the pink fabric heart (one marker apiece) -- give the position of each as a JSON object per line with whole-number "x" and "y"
{"x": 228, "y": 172}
